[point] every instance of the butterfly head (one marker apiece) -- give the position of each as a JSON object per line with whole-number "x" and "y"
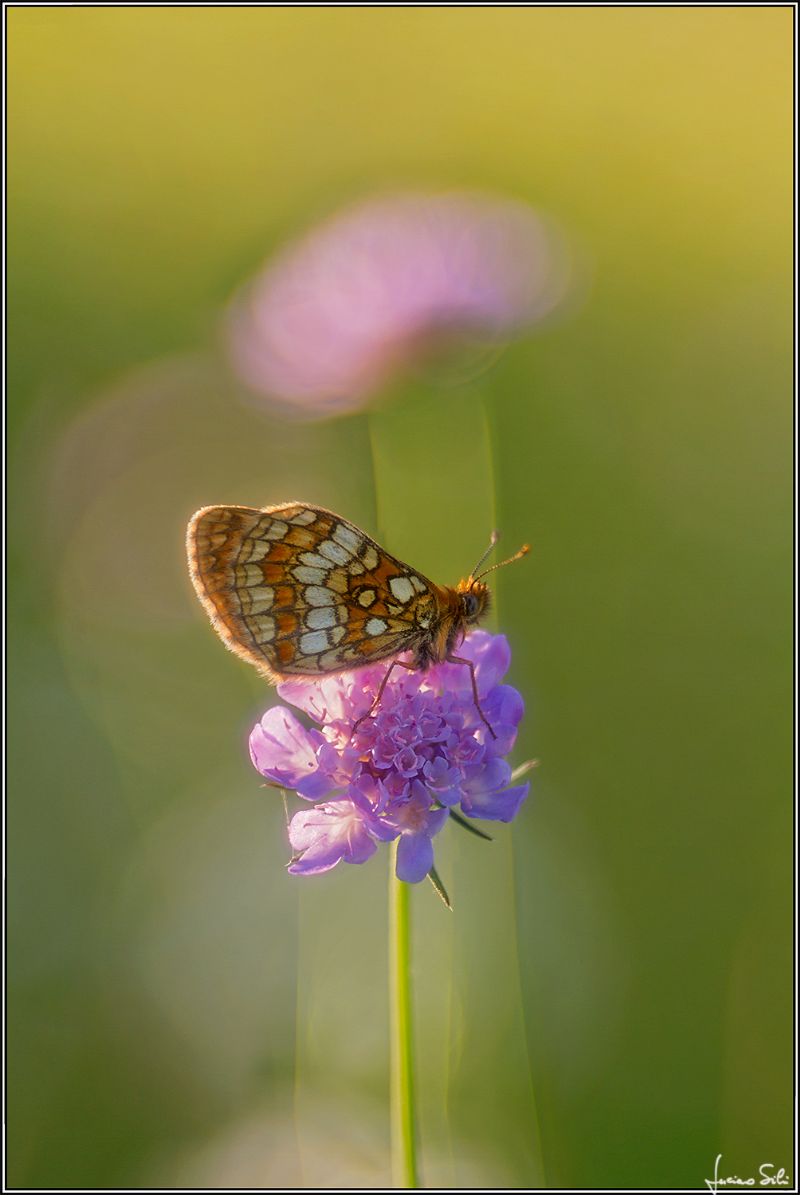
{"x": 473, "y": 593}
{"x": 474, "y": 598}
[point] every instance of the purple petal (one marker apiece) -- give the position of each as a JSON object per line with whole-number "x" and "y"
{"x": 371, "y": 798}
{"x": 321, "y": 837}
{"x": 414, "y": 857}
{"x": 382, "y": 829}
{"x": 437, "y": 819}
{"x": 503, "y": 708}
{"x": 285, "y": 752}
{"x": 407, "y": 763}
{"x": 338, "y": 763}
{"x": 306, "y": 695}
{"x": 439, "y": 776}
{"x": 331, "y": 699}
{"x": 447, "y": 796}
{"x": 490, "y": 777}
{"x": 491, "y": 656}
{"x": 467, "y": 751}
{"x": 395, "y": 787}
{"x": 495, "y": 806}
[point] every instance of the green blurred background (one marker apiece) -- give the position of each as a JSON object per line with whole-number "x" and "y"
{"x": 610, "y": 1004}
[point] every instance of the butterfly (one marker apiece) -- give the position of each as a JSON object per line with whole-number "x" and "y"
{"x": 297, "y": 590}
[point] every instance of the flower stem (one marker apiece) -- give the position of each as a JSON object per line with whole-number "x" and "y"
{"x": 404, "y": 1141}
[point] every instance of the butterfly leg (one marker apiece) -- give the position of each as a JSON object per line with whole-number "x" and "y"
{"x": 381, "y": 687}
{"x": 471, "y": 666}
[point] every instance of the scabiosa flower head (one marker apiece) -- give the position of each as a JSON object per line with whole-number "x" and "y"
{"x": 330, "y": 318}
{"x": 425, "y": 752}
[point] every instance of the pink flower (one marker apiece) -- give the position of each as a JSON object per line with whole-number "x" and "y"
{"x": 327, "y": 321}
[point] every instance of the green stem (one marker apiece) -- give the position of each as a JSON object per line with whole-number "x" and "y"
{"x": 404, "y": 1141}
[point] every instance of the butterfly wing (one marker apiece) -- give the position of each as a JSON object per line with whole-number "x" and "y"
{"x": 298, "y": 591}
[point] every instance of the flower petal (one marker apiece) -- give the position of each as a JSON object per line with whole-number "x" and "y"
{"x": 447, "y": 796}
{"x": 285, "y": 752}
{"x": 334, "y": 314}
{"x": 503, "y": 708}
{"x": 323, "y": 700}
{"x": 491, "y": 656}
{"x": 414, "y": 857}
{"x": 495, "y": 806}
{"x": 437, "y": 820}
{"x": 321, "y": 837}
{"x": 491, "y": 776}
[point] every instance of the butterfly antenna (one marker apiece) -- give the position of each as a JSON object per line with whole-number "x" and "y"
{"x": 524, "y": 550}
{"x": 492, "y": 541}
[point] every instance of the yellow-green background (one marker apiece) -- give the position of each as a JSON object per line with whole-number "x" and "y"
{"x": 180, "y": 1011}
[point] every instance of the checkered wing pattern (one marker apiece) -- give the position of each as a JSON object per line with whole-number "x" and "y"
{"x": 298, "y": 591}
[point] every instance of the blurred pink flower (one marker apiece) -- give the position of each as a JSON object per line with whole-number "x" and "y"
{"x": 327, "y": 321}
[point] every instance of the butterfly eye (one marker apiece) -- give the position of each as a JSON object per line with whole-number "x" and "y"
{"x": 470, "y": 605}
